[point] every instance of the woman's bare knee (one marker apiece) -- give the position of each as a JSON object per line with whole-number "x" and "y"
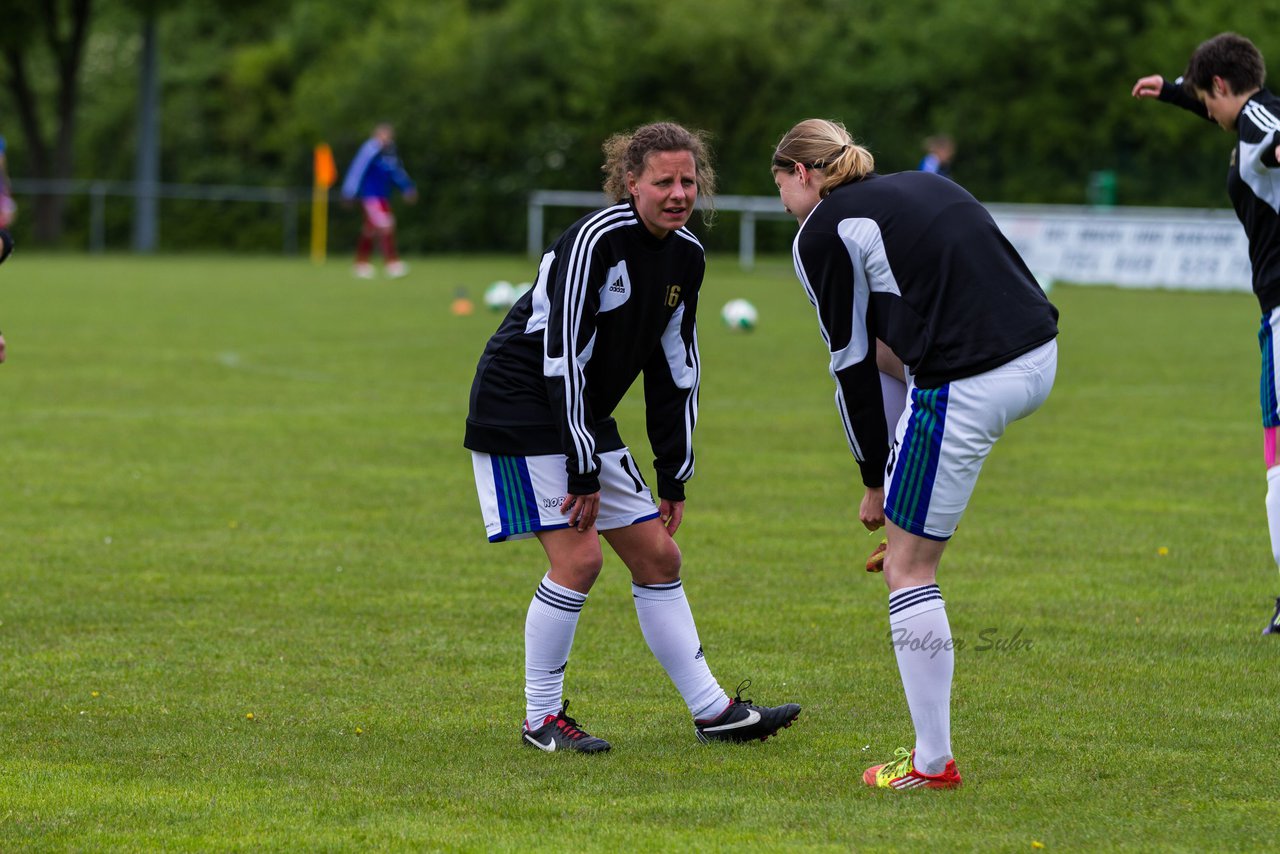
{"x": 661, "y": 566}
{"x": 575, "y": 558}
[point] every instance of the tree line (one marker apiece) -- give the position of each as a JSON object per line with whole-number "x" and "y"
{"x": 494, "y": 98}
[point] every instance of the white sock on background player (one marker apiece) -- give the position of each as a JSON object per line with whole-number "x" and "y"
{"x": 1273, "y": 510}
{"x": 548, "y": 637}
{"x": 921, "y": 636}
{"x": 667, "y": 625}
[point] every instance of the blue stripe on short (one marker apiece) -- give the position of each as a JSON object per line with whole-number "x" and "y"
{"x": 1267, "y": 395}
{"x": 916, "y": 469}
{"x": 517, "y": 505}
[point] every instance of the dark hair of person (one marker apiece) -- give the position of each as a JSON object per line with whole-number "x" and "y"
{"x": 1230, "y": 56}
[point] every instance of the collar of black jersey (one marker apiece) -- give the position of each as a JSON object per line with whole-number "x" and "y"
{"x": 647, "y": 237}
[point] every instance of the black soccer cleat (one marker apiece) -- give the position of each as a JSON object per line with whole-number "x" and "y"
{"x": 743, "y": 721}
{"x": 561, "y": 732}
{"x": 1273, "y": 627}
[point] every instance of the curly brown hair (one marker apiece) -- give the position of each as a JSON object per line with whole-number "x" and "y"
{"x": 626, "y": 153}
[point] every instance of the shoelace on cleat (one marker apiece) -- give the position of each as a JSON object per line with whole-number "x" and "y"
{"x": 899, "y": 766}
{"x": 737, "y": 694}
{"x": 568, "y": 725}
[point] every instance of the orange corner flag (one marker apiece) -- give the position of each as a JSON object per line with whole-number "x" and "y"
{"x": 326, "y": 175}
{"x": 326, "y": 171}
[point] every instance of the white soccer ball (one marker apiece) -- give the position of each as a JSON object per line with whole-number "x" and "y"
{"x": 500, "y": 296}
{"x": 739, "y": 314}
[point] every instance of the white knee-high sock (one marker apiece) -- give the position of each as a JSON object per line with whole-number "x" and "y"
{"x": 667, "y": 625}
{"x": 1273, "y": 510}
{"x": 921, "y": 636}
{"x": 548, "y": 637}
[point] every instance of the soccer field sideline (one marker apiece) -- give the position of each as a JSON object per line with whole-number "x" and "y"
{"x": 248, "y": 603}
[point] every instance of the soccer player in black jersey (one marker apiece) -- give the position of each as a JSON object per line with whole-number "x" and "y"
{"x": 1224, "y": 84}
{"x": 912, "y": 262}
{"x": 616, "y": 297}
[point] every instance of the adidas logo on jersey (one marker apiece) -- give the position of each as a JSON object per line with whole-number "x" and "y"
{"x": 615, "y": 290}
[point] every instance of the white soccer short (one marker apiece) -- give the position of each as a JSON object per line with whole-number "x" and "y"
{"x": 522, "y": 495}
{"x": 945, "y": 434}
{"x": 377, "y": 212}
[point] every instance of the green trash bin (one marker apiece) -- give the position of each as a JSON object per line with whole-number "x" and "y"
{"x": 1102, "y": 188}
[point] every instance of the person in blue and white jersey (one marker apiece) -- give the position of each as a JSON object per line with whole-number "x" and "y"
{"x": 616, "y": 296}
{"x": 1224, "y": 84}
{"x": 910, "y": 269}
{"x": 939, "y": 150}
{"x": 373, "y": 174}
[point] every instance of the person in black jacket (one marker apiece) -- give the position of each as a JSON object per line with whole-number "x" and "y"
{"x": 1223, "y": 83}
{"x": 616, "y": 296}
{"x": 912, "y": 266}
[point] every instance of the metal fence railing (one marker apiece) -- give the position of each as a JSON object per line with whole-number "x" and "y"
{"x": 97, "y": 192}
{"x": 751, "y": 208}
{"x": 1125, "y": 246}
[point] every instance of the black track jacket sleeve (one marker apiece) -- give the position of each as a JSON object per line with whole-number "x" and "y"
{"x": 1173, "y": 93}
{"x": 838, "y": 287}
{"x": 568, "y": 341}
{"x": 671, "y": 396}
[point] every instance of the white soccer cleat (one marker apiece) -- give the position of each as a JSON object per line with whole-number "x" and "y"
{"x": 364, "y": 271}
{"x": 397, "y": 270}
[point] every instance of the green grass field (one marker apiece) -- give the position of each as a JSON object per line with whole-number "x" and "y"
{"x": 246, "y": 602}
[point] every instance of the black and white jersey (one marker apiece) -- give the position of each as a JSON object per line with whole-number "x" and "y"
{"x": 914, "y": 260}
{"x": 1253, "y": 182}
{"x": 611, "y": 302}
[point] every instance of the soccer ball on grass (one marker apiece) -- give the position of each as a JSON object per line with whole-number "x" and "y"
{"x": 739, "y": 314}
{"x": 500, "y": 296}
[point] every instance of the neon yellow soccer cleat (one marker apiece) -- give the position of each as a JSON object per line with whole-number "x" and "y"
{"x": 875, "y": 563}
{"x": 901, "y": 774}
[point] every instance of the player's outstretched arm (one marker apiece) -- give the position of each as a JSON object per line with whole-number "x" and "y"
{"x": 1148, "y": 87}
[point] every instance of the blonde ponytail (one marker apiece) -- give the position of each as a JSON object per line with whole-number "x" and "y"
{"x": 824, "y": 145}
